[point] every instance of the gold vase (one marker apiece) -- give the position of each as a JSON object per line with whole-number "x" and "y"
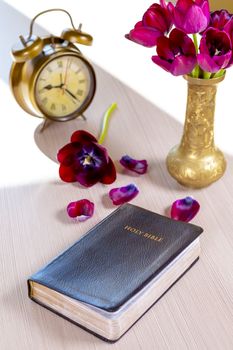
{"x": 196, "y": 162}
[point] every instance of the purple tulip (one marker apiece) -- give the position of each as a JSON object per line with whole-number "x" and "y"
{"x": 215, "y": 50}
{"x": 176, "y": 54}
{"x": 220, "y": 19}
{"x": 85, "y": 161}
{"x": 155, "y": 23}
{"x": 190, "y": 16}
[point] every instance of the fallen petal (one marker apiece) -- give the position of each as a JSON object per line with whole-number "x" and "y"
{"x": 184, "y": 209}
{"x": 82, "y": 209}
{"x": 123, "y": 194}
{"x": 138, "y": 166}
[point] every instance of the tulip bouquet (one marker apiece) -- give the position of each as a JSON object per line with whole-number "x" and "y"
{"x": 168, "y": 27}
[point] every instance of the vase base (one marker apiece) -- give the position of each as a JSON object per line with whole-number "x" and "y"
{"x": 196, "y": 170}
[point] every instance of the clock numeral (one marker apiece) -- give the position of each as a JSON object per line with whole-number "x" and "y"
{"x": 53, "y": 107}
{"x": 81, "y": 81}
{"x": 60, "y": 64}
{"x": 49, "y": 69}
{"x": 44, "y": 101}
{"x": 77, "y": 71}
{"x": 80, "y": 92}
{"x": 63, "y": 107}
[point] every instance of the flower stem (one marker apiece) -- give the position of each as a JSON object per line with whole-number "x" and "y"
{"x": 105, "y": 124}
{"x": 195, "y": 42}
{"x": 206, "y": 75}
{"x": 220, "y": 73}
{"x": 196, "y": 71}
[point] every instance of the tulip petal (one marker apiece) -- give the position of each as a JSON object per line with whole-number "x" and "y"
{"x": 82, "y": 209}
{"x": 67, "y": 173}
{"x": 164, "y": 48}
{"x": 123, "y": 194}
{"x": 66, "y": 154}
{"x": 207, "y": 63}
{"x": 197, "y": 21}
{"x": 155, "y": 17}
{"x": 180, "y": 40}
{"x": 138, "y": 166}
{"x": 223, "y": 61}
{"x": 145, "y": 36}
{"x": 162, "y": 63}
{"x": 82, "y": 136}
{"x": 88, "y": 177}
{"x": 191, "y": 16}
{"x": 109, "y": 173}
{"x": 184, "y": 209}
{"x": 183, "y": 65}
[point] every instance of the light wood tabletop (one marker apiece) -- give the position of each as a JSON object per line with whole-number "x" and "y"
{"x": 196, "y": 313}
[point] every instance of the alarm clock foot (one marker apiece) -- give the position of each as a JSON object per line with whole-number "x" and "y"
{"x": 45, "y": 124}
{"x": 83, "y": 117}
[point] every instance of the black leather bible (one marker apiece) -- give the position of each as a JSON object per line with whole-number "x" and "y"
{"x": 110, "y": 277}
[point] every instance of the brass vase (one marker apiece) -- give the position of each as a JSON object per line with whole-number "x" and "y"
{"x": 196, "y": 162}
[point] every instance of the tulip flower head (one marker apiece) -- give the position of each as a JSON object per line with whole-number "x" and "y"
{"x": 215, "y": 50}
{"x": 176, "y": 54}
{"x": 85, "y": 161}
{"x": 190, "y": 16}
{"x": 220, "y": 19}
{"x": 155, "y": 23}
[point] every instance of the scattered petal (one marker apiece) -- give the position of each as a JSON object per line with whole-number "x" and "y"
{"x": 82, "y": 209}
{"x": 123, "y": 194}
{"x": 138, "y": 166}
{"x": 184, "y": 209}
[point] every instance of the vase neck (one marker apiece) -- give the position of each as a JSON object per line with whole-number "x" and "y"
{"x": 199, "y": 123}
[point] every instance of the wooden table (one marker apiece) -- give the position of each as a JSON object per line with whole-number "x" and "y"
{"x": 197, "y": 313}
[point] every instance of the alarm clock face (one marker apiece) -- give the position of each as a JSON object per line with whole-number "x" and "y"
{"x": 64, "y": 87}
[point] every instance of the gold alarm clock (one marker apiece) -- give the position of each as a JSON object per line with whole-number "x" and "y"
{"x": 50, "y": 77}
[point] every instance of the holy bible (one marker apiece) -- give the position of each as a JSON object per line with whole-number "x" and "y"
{"x": 111, "y": 276}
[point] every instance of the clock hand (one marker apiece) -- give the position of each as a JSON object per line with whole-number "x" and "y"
{"x": 49, "y": 87}
{"x": 65, "y": 76}
{"x": 71, "y": 94}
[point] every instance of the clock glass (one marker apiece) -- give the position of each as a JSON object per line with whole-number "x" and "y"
{"x": 64, "y": 87}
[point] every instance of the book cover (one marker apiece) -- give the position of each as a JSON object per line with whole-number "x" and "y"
{"x": 117, "y": 258}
